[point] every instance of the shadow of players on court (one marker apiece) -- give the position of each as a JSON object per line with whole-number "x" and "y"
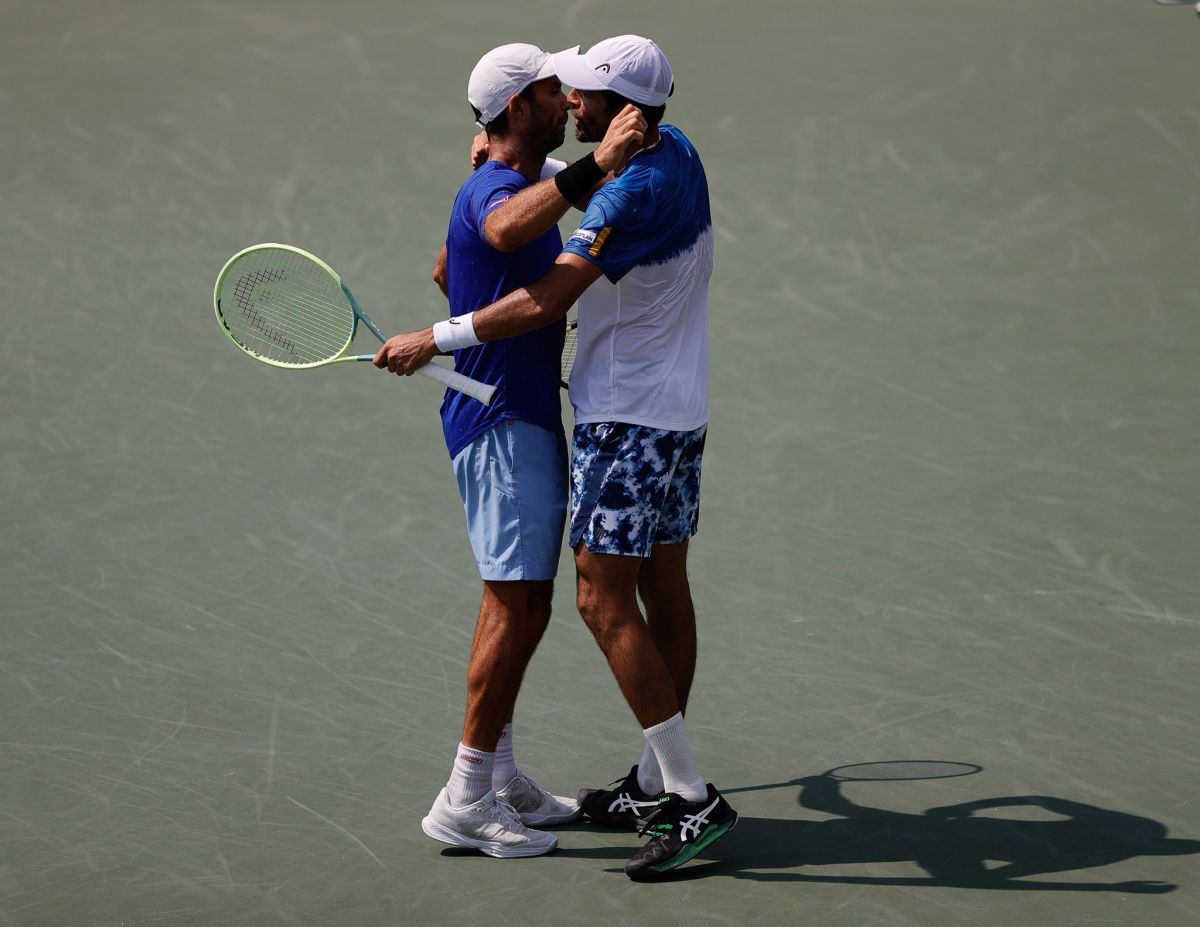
{"x": 954, "y": 846}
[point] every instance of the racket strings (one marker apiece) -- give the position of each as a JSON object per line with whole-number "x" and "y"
{"x": 285, "y": 322}
{"x": 303, "y": 308}
{"x": 289, "y": 309}
{"x": 570, "y": 348}
{"x": 243, "y": 292}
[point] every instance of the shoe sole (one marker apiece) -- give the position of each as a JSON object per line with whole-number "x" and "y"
{"x": 688, "y": 853}
{"x": 488, "y": 847}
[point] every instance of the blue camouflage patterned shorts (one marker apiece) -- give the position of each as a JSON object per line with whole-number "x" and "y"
{"x": 633, "y": 487}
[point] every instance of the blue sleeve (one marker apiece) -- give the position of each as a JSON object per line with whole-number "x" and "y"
{"x": 499, "y": 187}
{"x": 614, "y": 233}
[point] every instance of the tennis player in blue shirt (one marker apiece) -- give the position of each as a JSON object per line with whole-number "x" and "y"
{"x": 639, "y": 266}
{"x": 509, "y": 457}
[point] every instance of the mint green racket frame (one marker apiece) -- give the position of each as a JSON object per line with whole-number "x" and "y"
{"x": 297, "y": 313}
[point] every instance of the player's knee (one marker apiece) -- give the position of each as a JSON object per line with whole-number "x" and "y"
{"x": 606, "y": 622}
{"x": 588, "y": 602}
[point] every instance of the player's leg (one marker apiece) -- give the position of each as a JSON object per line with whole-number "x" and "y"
{"x": 691, "y": 814}
{"x": 667, "y": 599}
{"x": 513, "y": 486}
{"x": 623, "y": 484}
{"x": 512, "y": 619}
{"x": 608, "y": 604}
{"x": 663, "y": 580}
{"x": 607, "y": 601}
{"x": 664, "y": 587}
{"x": 670, "y": 615}
{"x": 511, "y": 623}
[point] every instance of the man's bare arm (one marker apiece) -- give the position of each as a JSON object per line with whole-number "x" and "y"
{"x": 535, "y": 210}
{"x": 525, "y": 217}
{"x": 439, "y": 273}
{"x": 540, "y": 303}
{"x": 522, "y": 310}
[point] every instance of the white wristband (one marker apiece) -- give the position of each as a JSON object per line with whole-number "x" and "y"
{"x": 551, "y": 167}
{"x": 455, "y": 333}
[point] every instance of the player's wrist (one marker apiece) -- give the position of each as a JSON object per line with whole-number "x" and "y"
{"x": 576, "y": 182}
{"x": 453, "y": 334}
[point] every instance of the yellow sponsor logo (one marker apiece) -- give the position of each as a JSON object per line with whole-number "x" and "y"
{"x": 601, "y": 240}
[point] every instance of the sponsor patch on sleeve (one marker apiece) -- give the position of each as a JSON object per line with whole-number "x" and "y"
{"x": 594, "y": 240}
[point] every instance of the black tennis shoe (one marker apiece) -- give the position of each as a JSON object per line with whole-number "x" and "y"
{"x": 626, "y": 806}
{"x": 679, "y": 830}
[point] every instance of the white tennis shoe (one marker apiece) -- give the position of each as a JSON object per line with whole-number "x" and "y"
{"x": 536, "y": 806}
{"x": 490, "y": 825}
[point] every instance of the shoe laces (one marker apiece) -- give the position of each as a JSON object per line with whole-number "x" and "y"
{"x": 504, "y": 813}
{"x": 656, "y": 828}
{"x": 533, "y": 786}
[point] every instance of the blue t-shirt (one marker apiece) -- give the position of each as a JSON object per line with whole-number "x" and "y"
{"x": 525, "y": 370}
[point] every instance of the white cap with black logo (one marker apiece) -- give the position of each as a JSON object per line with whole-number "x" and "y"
{"x": 630, "y": 65}
{"x": 503, "y": 73}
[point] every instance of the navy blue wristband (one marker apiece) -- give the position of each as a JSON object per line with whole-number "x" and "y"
{"x": 576, "y": 182}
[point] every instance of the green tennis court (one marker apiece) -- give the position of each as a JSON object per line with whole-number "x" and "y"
{"x": 951, "y": 492}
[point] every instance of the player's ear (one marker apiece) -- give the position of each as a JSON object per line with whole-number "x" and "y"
{"x": 518, "y": 108}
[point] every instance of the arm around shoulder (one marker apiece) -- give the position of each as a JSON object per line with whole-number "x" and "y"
{"x": 525, "y": 217}
{"x": 540, "y": 303}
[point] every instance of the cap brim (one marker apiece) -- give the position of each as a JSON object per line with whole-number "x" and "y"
{"x": 549, "y": 69}
{"x": 573, "y": 70}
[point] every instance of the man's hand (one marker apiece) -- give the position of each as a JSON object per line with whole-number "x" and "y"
{"x": 624, "y": 137}
{"x": 403, "y": 354}
{"x": 479, "y": 150}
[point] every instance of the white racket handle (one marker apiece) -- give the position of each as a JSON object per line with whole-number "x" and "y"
{"x": 435, "y": 371}
{"x": 473, "y": 388}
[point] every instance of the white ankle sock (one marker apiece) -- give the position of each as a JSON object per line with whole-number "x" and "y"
{"x": 471, "y": 776}
{"x": 505, "y": 768}
{"x": 680, "y": 773}
{"x": 649, "y": 774}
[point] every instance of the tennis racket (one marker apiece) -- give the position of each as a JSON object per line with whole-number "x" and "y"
{"x": 570, "y": 346}
{"x": 287, "y": 308}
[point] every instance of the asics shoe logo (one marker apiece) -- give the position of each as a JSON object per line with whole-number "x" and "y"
{"x": 693, "y": 822}
{"x": 625, "y": 803}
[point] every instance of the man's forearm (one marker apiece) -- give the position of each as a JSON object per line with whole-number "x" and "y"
{"x": 538, "y": 304}
{"x": 525, "y": 217}
{"x": 523, "y": 310}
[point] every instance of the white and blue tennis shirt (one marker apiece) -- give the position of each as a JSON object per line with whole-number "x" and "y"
{"x": 643, "y": 329}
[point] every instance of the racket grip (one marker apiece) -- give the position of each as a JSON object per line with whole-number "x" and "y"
{"x": 473, "y": 388}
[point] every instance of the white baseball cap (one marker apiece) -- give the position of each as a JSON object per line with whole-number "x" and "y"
{"x": 630, "y": 65}
{"x": 503, "y": 73}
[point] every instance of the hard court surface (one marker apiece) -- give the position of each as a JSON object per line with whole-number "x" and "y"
{"x": 950, "y": 503}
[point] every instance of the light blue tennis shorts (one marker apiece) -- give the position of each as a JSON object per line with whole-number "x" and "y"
{"x": 513, "y": 483}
